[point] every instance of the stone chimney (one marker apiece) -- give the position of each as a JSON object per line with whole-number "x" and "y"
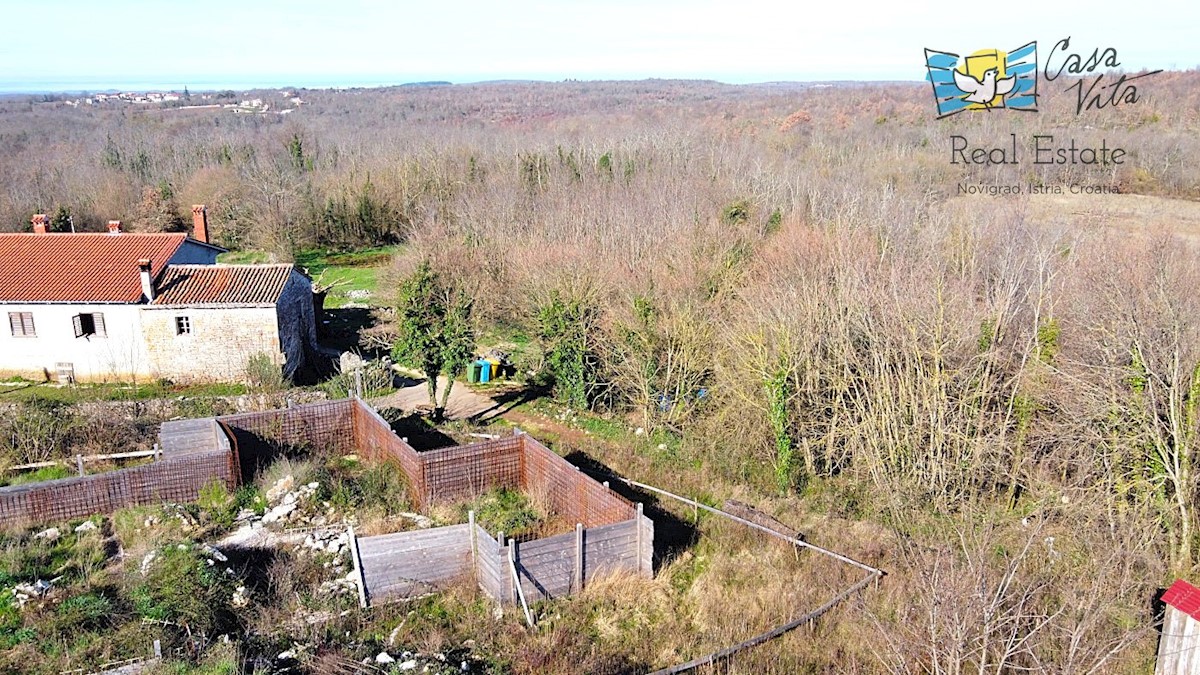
{"x": 114, "y": 227}
{"x": 40, "y": 220}
{"x": 200, "y": 223}
{"x": 147, "y": 284}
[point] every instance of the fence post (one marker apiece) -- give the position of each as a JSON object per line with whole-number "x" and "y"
{"x": 157, "y": 649}
{"x": 358, "y": 387}
{"x": 578, "y": 557}
{"x": 516, "y": 577}
{"x": 638, "y": 522}
{"x": 361, "y": 578}
{"x": 157, "y": 452}
{"x": 474, "y": 545}
{"x": 79, "y": 462}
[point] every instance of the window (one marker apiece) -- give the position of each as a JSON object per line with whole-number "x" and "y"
{"x": 89, "y": 325}
{"x": 183, "y": 325}
{"x": 21, "y": 324}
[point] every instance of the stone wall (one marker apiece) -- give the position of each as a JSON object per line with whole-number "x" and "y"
{"x": 222, "y": 339}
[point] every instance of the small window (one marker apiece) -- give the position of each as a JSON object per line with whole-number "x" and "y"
{"x": 21, "y": 324}
{"x": 183, "y": 325}
{"x": 89, "y": 325}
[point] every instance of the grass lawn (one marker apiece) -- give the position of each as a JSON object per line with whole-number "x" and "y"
{"x": 115, "y": 391}
{"x": 355, "y": 274}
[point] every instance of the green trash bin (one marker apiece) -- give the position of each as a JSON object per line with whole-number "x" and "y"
{"x": 473, "y": 372}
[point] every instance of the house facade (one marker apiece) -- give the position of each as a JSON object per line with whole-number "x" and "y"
{"x": 128, "y": 306}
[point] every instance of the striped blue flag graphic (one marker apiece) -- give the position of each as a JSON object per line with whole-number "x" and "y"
{"x": 1020, "y": 63}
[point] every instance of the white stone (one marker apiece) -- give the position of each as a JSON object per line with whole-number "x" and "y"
{"x": 278, "y": 513}
{"x": 410, "y": 664}
{"x": 281, "y": 487}
{"x": 85, "y": 526}
{"x": 385, "y": 658}
{"x": 49, "y": 534}
{"x": 286, "y": 656}
{"x": 147, "y": 562}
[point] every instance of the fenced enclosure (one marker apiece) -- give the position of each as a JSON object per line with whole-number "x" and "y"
{"x": 194, "y": 453}
{"x": 610, "y": 534}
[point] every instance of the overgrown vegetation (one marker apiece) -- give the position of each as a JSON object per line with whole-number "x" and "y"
{"x": 995, "y": 400}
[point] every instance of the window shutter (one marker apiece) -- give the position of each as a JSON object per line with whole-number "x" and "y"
{"x": 27, "y": 324}
{"x": 14, "y": 323}
{"x": 98, "y": 320}
{"x": 77, "y": 321}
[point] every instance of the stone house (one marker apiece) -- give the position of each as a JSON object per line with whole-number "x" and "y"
{"x": 123, "y": 306}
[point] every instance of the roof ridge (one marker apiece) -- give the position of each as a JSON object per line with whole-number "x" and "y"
{"x": 222, "y": 265}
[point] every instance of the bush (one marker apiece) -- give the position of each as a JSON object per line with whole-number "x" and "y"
{"x": 181, "y": 586}
{"x": 503, "y": 510}
{"x": 264, "y": 374}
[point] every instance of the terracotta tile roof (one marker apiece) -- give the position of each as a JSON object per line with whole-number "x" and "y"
{"x": 1183, "y": 597}
{"x": 82, "y": 267}
{"x": 222, "y": 284}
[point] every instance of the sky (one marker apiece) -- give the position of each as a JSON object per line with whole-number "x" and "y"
{"x": 66, "y": 45}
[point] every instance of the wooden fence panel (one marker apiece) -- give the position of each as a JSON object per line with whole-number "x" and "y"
{"x": 404, "y": 564}
{"x": 490, "y": 570}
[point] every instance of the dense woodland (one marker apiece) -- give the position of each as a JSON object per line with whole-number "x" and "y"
{"x": 1003, "y": 406}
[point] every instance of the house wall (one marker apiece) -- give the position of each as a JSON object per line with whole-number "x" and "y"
{"x": 297, "y": 323}
{"x": 121, "y": 355}
{"x": 221, "y": 341}
{"x": 194, "y": 253}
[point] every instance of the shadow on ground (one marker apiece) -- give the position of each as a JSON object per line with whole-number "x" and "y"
{"x": 672, "y": 534}
{"x": 507, "y": 400}
{"x": 418, "y": 430}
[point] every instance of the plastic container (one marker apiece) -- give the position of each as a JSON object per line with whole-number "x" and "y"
{"x": 473, "y": 372}
{"x": 497, "y": 373}
{"x": 485, "y": 371}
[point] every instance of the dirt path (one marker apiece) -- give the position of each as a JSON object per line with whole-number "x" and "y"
{"x": 463, "y": 404}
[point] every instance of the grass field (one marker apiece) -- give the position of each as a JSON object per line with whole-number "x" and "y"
{"x": 354, "y": 276}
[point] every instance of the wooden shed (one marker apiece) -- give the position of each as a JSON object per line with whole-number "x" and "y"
{"x": 1179, "y": 644}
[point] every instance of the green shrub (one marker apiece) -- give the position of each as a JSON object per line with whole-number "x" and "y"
{"x": 181, "y": 586}
{"x": 503, "y": 510}
{"x": 264, "y": 374}
{"x": 87, "y": 611}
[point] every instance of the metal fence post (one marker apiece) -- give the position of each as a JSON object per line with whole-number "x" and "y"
{"x": 638, "y": 522}
{"x": 578, "y": 557}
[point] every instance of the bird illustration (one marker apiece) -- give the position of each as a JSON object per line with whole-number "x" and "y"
{"x": 987, "y": 89}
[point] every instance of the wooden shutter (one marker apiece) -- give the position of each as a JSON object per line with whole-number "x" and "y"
{"x": 77, "y": 321}
{"x": 21, "y": 324}
{"x": 98, "y": 321}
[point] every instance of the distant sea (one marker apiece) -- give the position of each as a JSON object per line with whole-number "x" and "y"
{"x": 108, "y": 85}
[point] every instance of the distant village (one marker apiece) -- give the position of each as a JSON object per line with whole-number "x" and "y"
{"x": 173, "y": 100}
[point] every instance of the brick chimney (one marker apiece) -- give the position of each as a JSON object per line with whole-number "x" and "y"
{"x": 200, "y": 223}
{"x": 147, "y": 284}
{"x": 114, "y": 227}
{"x": 40, "y": 220}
